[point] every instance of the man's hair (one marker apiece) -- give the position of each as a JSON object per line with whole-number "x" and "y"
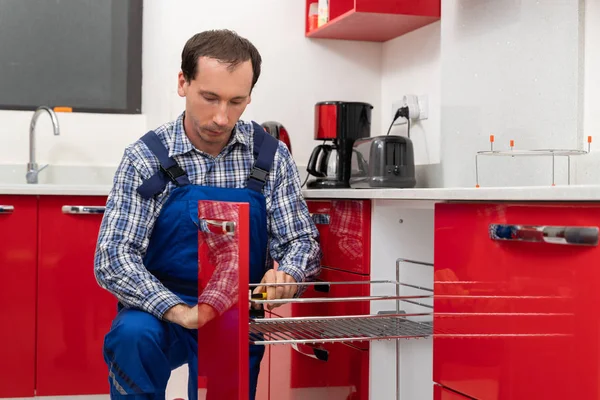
{"x": 223, "y": 45}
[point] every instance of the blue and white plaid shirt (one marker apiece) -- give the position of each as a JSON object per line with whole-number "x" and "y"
{"x": 129, "y": 219}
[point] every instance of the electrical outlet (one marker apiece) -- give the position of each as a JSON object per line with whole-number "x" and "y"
{"x": 423, "y": 106}
{"x": 418, "y": 108}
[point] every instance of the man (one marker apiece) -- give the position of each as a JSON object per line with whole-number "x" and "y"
{"x": 147, "y": 248}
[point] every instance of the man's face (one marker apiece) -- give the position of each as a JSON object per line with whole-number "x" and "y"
{"x": 214, "y": 102}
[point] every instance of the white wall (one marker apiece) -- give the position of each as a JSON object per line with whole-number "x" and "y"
{"x": 592, "y": 69}
{"x": 297, "y": 72}
{"x": 510, "y": 69}
{"x": 456, "y": 63}
{"x": 85, "y": 139}
{"x": 586, "y": 168}
{"x": 411, "y": 65}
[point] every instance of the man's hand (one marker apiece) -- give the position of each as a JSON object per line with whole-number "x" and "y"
{"x": 205, "y": 314}
{"x": 277, "y": 292}
{"x": 191, "y": 317}
{"x": 183, "y": 315}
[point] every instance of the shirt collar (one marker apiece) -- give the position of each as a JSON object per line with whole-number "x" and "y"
{"x": 180, "y": 144}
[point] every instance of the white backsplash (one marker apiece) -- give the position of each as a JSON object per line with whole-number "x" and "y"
{"x": 14, "y": 174}
{"x": 513, "y": 69}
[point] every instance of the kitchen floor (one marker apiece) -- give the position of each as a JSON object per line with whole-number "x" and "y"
{"x": 177, "y": 387}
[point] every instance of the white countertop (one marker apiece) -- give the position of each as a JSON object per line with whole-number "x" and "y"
{"x": 535, "y": 193}
{"x": 527, "y": 193}
{"x": 97, "y": 181}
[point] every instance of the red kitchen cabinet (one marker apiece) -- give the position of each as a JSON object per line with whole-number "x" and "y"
{"x": 264, "y": 376}
{"x": 441, "y": 393}
{"x": 345, "y": 229}
{"x": 320, "y": 211}
{"x": 515, "y": 307}
{"x": 18, "y": 251}
{"x": 297, "y": 373}
{"x": 223, "y": 267}
{"x": 74, "y": 313}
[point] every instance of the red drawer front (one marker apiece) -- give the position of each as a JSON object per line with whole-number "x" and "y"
{"x": 299, "y": 376}
{"x": 74, "y": 313}
{"x": 515, "y": 320}
{"x": 342, "y": 377}
{"x": 441, "y": 393}
{"x": 18, "y": 271}
{"x": 345, "y": 228}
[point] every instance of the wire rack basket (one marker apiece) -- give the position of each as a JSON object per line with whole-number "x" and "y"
{"x": 394, "y": 324}
{"x": 336, "y": 329}
{"x": 307, "y": 334}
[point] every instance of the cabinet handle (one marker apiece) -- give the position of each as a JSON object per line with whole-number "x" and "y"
{"x": 221, "y": 227}
{"x": 83, "y": 209}
{"x": 571, "y": 235}
{"x": 6, "y": 209}
{"x": 311, "y": 351}
{"x": 320, "y": 219}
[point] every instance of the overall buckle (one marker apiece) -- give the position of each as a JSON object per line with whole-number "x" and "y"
{"x": 173, "y": 172}
{"x": 259, "y": 174}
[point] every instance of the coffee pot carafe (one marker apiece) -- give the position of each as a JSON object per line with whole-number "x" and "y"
{"x": 338, "y": 124}
{"x": 323, "y": 162}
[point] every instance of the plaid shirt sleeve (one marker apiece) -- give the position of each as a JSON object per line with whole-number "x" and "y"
{"x": 294, "y": 240}
{"x": 122, "y": 242}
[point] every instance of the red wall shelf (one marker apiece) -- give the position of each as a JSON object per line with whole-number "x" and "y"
{"x": 374, "y": 20}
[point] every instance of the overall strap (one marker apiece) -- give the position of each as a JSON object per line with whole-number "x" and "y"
{"x": 265, "y": 147}
{"x": 169, "y": 169}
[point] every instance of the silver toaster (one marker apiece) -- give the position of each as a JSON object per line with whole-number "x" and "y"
{"x": 383, "y": 162}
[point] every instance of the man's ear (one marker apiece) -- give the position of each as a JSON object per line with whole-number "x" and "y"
{"x": 182, "y": 85}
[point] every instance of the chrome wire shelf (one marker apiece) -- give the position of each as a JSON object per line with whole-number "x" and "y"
{"x": 307, "y": 335}
{"x": 315, "y": 330}
{"x": 388, "y": 325}
{"x": 532, "y": 153}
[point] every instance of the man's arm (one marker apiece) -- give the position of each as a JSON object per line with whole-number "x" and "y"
{"x": 294, "y": 236}
{"x": 122, "y": 242}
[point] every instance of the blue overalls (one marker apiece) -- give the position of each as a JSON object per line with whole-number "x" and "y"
{"x": 141, "y": 350}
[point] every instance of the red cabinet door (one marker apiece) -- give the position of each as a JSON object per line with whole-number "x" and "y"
{"x": 515, "y": 319}
{"x": 345, "y": 228}
{"x": 264, "y": 377}
{"x": 74, "y": 313}
{"x": 350, "y": 236}
{"x": 441, "y": 393}
{"x": 296, "y": 373}
{"x": 18, "y": 252}
{"x": 320, "y": 211}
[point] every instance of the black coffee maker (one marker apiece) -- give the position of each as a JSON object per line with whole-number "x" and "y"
{"x": 339, "y": 124}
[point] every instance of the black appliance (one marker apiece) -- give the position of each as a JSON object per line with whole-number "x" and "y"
{"x": 383, "y": 162}
{"x": 338, "y": 124}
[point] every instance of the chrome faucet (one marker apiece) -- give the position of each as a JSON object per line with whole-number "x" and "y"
{"x": 32, "y": 167}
